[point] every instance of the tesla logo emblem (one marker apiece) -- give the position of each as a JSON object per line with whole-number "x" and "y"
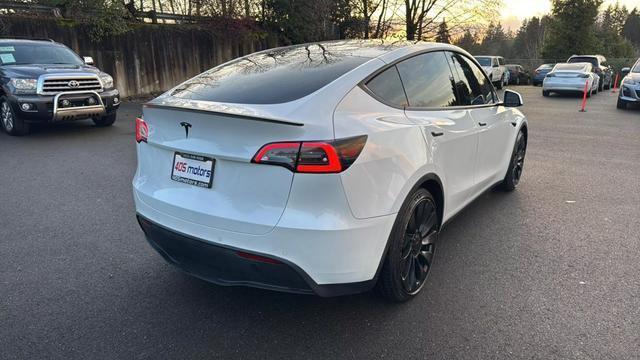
{"x": 186, "y": 127}
{"x": 73, "y": 84}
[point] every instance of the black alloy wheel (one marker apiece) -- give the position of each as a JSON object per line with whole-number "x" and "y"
{"x": 411, "y": 249}
{"x": 419, "y": 245}
{"x": 516, "y": 166}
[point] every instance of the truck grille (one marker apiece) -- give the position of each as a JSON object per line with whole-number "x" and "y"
{"x": 56, "y": 85}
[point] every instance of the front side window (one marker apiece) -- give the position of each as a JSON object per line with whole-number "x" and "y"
{"x": 472, "y": 85}
{"x": 428, "y": 81}
{"x": 388, "y": 87}
{"x": 501, "y": 61}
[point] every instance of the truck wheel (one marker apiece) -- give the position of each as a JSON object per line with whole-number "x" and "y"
{"x": 501, "y": 83}
{"x": 13, "y": 125}
{"x": 104, "y": 121}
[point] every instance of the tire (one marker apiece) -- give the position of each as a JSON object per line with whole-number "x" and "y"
{"x": 11, "y": 123}
{"x": 104, "y": 121}
{"x": 545, "y": 93}
{"x": 621, "y": 104}
{"x": 601, "y": 86}
{"x": 516, "y": 163}
{"x": 411, "y": 247}
{"x": 501, "y": 83}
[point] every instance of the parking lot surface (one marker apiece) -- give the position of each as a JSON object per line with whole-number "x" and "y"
{"x": 548, "y": 271}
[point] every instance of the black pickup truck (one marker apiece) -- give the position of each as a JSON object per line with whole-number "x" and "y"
{"x": 42, "y": 81}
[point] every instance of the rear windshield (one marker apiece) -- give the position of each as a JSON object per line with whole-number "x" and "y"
{"x": 570, "y": 67}
{"x": 35, "y": 53}
{"x": 588, "y": 59}
{"x": 484, "y": 61}
{"x": 272, "y": 77}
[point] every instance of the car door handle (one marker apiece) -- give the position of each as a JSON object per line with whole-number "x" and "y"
{"x": 436, "y": 134}
{"x": 482, "y": 123}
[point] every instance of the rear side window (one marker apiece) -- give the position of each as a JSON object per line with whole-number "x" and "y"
{"x": 501, "y": 61}
{"x": 472, "y": 85}
{"x": 279, "y": 76}
{"x": 428, "y": 81}
{"x": 388, "y": 87}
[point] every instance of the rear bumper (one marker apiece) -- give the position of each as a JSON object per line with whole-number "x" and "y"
{"x": 563, "y": 87}
{"x": 316, "y": 235}
{"x": 44, "y": 109}
{"x": 228, "y": 266}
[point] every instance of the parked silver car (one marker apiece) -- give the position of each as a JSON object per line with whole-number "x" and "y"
{"x": 630, "y": 87}
{"x": 571, "y": 78}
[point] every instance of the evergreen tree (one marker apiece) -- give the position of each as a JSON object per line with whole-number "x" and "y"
{"x": 530, "y": 38}
{"x": 496, "y": 41}
{"x": 572, "y": 29}
{"x": 443, "y": 35}
{"x": 467, "y": 41}
{"x": 610, "y": 28}
{"x": 631, "y": 28}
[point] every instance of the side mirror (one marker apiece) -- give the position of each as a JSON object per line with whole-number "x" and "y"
{"x": 512, "y": 99}
{"x": 88, "y": 60}
{"x": 625, "y": 71}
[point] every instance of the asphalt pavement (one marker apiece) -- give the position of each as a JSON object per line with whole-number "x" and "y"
{"x": 550, "y": 271}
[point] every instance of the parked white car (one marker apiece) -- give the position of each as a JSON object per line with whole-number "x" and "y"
{"x": 571, "y": 78}
{"x": 323, "y": 168}
{"x": 495, "y": 69}
{"x": 630, "y": 86}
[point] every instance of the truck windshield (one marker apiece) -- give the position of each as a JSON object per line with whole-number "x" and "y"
{"x": 23, "y": 54}
{"x": 636, "y": 68}
{"x": 484, "y": 61}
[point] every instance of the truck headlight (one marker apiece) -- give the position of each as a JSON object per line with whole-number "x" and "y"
{"x": 24, "y": 86}
{"x": 107, "y": 80}
{"x": 628, "y": 81}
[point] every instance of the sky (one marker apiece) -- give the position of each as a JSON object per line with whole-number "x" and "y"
{"x": 514, "y": 11}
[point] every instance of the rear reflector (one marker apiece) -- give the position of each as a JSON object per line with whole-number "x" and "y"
{"x": 259, "y": 258}
{"x": 142, "y": 130}
{"x": 312, "y": 156}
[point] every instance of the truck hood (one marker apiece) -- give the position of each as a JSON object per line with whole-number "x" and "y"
{"x": 33, "y": 71}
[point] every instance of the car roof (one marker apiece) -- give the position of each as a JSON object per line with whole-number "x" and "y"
{"x": 385, "y": 50}
{"x": 17, "y": 41}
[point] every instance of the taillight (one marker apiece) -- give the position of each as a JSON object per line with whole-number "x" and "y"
{"x": 142, "y": 130}
{"x": 312, "y": 156}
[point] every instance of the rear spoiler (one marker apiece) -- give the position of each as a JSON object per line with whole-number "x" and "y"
{"x": 219, "y": 110}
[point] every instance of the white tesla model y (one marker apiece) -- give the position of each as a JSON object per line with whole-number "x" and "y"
{"x": 324, "y": 168}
